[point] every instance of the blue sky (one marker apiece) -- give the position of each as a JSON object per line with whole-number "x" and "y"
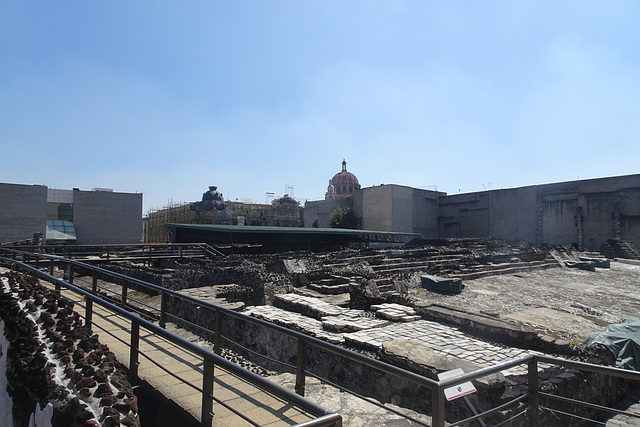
{"x": 167, "y": 98}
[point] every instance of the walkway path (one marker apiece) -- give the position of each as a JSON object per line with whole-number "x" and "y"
{"x": 252, "y": 402}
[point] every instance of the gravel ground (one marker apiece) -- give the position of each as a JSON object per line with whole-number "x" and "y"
{"x": 570, "y": 303}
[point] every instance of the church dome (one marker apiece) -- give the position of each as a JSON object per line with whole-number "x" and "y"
{"x": 342, "y": 184}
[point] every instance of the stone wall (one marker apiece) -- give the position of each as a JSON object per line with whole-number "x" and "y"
{"x": 386, "y": 388}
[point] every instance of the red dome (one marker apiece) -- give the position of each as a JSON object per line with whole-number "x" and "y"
{"x": 342, "y": 184}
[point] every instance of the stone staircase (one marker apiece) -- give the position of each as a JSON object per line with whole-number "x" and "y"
{"x": 616, "y": 248}
{"x": 380, "y": 273}
{"x": 332, "y": 285}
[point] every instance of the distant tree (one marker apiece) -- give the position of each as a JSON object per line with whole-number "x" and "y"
{"x": 343, "y": 218}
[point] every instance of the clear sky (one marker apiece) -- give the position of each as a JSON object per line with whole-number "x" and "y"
{"x": 168, "y": 97}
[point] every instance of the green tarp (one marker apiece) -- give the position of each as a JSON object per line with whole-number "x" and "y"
{"x": 623, "y": 340}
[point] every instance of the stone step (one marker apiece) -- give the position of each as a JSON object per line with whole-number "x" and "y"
{"x": 386, "y": 288}
{"x": 329, "y": 289}
{"x": 507, "y": 270}
{"x": 308, "y": 306}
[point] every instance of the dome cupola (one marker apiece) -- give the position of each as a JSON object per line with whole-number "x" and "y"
{"x": 343, "y": 184}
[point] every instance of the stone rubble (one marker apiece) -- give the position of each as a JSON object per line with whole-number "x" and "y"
{"x": 54, "y": 359}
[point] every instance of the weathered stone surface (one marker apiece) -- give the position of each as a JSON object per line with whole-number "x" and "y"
{"x": 425, "y": 361}
{"x": 447, "y": 285}
{"x": 481, "y": 326}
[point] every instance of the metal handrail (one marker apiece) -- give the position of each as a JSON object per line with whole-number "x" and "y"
{"x": 107, "y": 252}
{"x": 210, "y": 358}
{"x": 316, "y": 342}
{"x": 437, "y": 387}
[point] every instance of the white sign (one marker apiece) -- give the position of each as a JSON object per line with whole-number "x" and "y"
{"x": 459, "y": 390}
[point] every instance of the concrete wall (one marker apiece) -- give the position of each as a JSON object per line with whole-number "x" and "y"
{"x": 559, "y": 219}
{"x": 629, "y": 202}
{"x": 106, "y": 217}
{"x": 321, "y": 210}
{"x": 398, "y": 208}
{"x": 464, "y": 215}
{"x": 376, "y": 208}
{"x": 527, "y": 205}
{"x": 425, "y": 212}
{"x": 585, "y": 213}
{"x": 383, "y": 208}
{"x": 23, "y": 211}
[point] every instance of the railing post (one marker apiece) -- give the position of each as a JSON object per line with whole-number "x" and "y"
{"x": 217, "y": 339}
{"x": 437, "y": 407}
{"x": 88, "y": 315}
{"x": 301, "y": 366}
{"x": 123, "y": 298}
{"x": 51, "y": 268}
{"x": 70, "y": 267}
{"x": 163, "y": 310}
{"x": 532, "y": 411}
{"x": 206, "y": 417}
{"x": 94, "y": 283}
{"x": 135, "y": 347}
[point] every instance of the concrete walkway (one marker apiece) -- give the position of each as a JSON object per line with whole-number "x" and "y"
{"x": 262, "y": 407}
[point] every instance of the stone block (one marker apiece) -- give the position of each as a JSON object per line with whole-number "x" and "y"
{"x": 448, "y": 285}
{"x": 425, "y": 361}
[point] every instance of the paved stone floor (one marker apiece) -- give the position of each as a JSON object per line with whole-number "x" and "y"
{"x": 372, "y": 333}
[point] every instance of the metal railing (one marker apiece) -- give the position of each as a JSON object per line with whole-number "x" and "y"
{"x": 123, "y": 252}
{"x": 531, "y": 397}
{"x": 210, "y": 359}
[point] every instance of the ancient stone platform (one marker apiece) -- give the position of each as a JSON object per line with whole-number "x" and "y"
{"x": 393, "y": 321}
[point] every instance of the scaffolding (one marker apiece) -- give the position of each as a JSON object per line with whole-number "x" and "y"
{"x": 282, "y": 212}
{"x": 156, "y": 230}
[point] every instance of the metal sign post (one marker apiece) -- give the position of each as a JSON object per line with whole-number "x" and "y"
{"x": 460, "y": 390}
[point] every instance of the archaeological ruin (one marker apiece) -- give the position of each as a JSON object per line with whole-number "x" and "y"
{"x": 508, "y": 292}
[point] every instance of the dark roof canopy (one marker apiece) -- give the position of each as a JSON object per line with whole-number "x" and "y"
{"x": 281, "y": 238}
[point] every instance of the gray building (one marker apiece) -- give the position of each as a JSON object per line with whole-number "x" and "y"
{"x": 23, "y": 211}
{"x": 100, "y": 216}
{"x": 584, "y": 213}
{"x": 386, "y": 207}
